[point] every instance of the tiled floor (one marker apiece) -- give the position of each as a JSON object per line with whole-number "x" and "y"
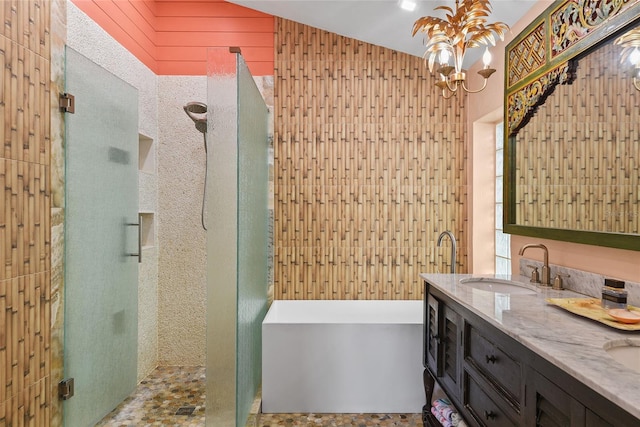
{"x": 338, "y": 420}
{"x": 168, "y": 391}
{"x": 174, "y": 396}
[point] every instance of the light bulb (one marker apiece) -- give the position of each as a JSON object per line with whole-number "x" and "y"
{"x": 409, "y": 5}
{"x": 444, "y": 57}
{"x": 634, "y": 58}
{"x": 486, "y": 58}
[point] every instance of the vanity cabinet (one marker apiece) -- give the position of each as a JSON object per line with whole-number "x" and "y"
{"x": 493, "y": 377}
{"x": 483, "y": 404}
{"x": 564, "y": 401}
{"x": 494, "y": 380}
{"x": 442, "y": 349}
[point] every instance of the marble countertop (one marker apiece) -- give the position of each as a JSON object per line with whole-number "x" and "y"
{"x": 572, "y": 343}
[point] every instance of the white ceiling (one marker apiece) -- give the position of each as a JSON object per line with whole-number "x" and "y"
{"x": 379, "y": 22}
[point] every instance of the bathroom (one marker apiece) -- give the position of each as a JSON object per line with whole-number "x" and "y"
{"x": 358, "y": 256}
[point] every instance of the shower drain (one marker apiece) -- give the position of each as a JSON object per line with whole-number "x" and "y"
{"x": 186, "y": 410}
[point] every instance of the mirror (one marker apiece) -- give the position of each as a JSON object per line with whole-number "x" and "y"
{"x": 573, "y": 165}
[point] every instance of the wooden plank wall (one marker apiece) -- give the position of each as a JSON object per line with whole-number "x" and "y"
{"x": 370, "y": 166}
{"x": 25, "y": 228}
{"x": 587, "y": 177}
{"x": 171, "y": 37}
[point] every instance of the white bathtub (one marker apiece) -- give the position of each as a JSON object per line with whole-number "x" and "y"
{"x": 342, "y": 357}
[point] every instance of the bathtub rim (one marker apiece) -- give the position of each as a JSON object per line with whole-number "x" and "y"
{"x": 308, "y": 312}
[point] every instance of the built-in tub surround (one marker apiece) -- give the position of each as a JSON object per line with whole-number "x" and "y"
{"x": 342, "y": 357}
{"x": 582, "y": 282}
{"x": 573, "y": 344}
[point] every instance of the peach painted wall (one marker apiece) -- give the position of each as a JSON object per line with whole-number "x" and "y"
{"x": 617, "y": 263}
{"x": 171, "y": 37}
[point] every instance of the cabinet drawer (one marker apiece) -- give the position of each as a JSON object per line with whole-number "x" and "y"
{"x": 482, "y": 407}
{"x": 499, "y": 368}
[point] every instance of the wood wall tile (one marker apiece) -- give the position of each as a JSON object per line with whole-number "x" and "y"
{"x": 25, "y": 225}
{"x": 24, "y": 104}
{"x": 27, "y": 23}
{"x": 371, "y": 167}
{"x": 25, "y": 214}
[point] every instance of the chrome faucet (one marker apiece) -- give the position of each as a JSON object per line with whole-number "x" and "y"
{"x": 546, "y": 277}
{"x": 453, "y": 248}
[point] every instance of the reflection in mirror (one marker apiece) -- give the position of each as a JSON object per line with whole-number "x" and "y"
{"x": 578, "y": 158}
{"x": 630, "y": 54}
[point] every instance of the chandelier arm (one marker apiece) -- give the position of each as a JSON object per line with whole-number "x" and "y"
{"x": 636, "y": 83}
{"x": 444, "y": 94}
{"x": 474, "y": 91}
{"x": 452, "y": 89}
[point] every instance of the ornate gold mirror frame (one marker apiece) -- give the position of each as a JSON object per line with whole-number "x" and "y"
{"x": 537, "y": 61}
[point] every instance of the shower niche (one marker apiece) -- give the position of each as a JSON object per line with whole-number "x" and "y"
{"x": 146, "y": 156}
{"x": 147, "y": 185}
{"x": 147, "y": 232}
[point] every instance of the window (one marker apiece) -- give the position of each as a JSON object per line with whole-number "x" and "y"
{"x": 503, "y": 241}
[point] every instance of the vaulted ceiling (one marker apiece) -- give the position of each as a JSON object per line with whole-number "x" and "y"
{"x": 379, "y": 22}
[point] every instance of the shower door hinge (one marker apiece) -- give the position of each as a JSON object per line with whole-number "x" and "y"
{"x": 65, "y": 389}
{"x": 67, "y": 103}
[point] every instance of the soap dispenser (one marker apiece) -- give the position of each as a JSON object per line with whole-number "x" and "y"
{"x": 613, "y": 294}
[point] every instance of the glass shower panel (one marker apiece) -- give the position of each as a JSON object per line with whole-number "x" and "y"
{"x": 253, "y": 178}
{"x": 101, "y": 278}
{"x": 236, "y": 238}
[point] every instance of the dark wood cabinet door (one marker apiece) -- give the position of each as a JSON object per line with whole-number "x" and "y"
{"x": 549, "y": 405}
{"x": 432, "y": 335}
{"x": 451, "y": 344}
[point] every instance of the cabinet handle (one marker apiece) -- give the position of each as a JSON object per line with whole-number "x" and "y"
{"x": 491, "y": 359}
{"x": 489, "y": 415}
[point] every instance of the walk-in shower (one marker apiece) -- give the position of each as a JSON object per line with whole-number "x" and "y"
{"x": 197, "y": 112}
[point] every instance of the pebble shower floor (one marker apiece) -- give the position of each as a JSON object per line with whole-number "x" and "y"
{"x": 174, "y": 396}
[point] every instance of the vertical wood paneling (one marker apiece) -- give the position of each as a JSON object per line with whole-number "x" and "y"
{"x": 171, "y": 37}
{"x": 370, "y": 165}
{"x": 25, "y": 228}
{"x": 134, "y": 32}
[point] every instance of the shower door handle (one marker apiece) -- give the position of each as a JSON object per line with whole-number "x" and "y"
{"x": 139, "y": 225}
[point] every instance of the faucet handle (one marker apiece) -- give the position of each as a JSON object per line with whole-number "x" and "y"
{"x": 535, "y": 275}
{"x": 557, "y": 282}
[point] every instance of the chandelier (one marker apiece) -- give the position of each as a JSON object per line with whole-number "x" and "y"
{"x": 630, "y": 43}
{"x": 446, "y": 40}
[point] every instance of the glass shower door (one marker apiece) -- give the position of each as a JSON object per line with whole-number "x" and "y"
{"x": 101, "y": 235}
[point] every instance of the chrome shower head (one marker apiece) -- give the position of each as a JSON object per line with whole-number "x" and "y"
{"x": 195, "y": 108}
{"x": 197, "y": 112}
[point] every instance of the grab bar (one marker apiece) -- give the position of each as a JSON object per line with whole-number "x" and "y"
{"x": 139, "y": 225}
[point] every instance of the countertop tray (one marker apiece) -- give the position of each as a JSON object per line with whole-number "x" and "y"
{"x": 590, "y": 308}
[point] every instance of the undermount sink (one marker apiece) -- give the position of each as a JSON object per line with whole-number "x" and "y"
{"x": 626, "y": 352}
{"x": 499, "y": 286}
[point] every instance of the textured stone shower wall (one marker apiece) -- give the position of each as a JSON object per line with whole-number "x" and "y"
{"x": 182, "y": 262}
{"x": 25, "y": 220}
{"x": 370, "y": 167}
